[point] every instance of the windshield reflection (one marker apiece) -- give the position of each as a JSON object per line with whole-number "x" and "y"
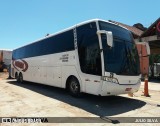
{"x": 122, "y": 58}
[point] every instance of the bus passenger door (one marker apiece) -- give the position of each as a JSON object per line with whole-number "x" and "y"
{"x": 89, "y": 57}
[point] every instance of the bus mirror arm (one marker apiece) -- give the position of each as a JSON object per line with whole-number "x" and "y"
{"x": 109, "y": 36}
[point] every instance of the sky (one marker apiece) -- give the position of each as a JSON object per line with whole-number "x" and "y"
{"x": 24, "y": 21}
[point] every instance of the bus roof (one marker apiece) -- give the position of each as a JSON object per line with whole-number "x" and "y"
{"x": 67, "y": 29}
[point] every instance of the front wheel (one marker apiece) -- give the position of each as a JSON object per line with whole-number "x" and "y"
{"x": 74, "y": 87}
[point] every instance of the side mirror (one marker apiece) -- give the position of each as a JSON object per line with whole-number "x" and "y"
{"x": 109, "y": 36}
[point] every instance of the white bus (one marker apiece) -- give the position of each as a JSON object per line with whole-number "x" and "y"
{"x": 96, "y": 57}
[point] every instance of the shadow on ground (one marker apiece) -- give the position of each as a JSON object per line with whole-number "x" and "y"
{"x": 100, "y": 106}
{"x": 154, "y": 80}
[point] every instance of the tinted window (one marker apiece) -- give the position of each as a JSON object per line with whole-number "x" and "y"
{"x": 55, "y": 44}
{"x": 117, "y": 31}
{"x": 122, "y": 58}
{"x": 88, "y": 49}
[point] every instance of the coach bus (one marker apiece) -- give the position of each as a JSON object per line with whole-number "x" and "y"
{"x": 96, "y": 57}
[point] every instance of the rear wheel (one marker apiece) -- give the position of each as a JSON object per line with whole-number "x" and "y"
{"x": 17, "y": 77}
{"x": 20, "y": 78}
{"x": 74, "y": 87}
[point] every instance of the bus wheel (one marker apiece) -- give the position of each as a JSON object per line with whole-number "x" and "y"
{"x": 20, "y": 78}
{"x": 17, "y": 77}
{"x": 74, "y": 87}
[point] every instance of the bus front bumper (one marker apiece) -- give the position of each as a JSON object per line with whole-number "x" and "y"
{"x": 109, "y": 88}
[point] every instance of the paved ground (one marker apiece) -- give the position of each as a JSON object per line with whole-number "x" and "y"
{"x": 3, "y": 76}
{"x": 154, "y": 92}
{"x": 35, "y": 100}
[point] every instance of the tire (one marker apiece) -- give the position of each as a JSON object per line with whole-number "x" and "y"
{"x": 74, "y": 87}
{"x": 17, "y": 77}
{"x": 20, "y": 78}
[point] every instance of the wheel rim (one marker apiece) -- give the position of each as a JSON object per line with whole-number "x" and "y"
{"x": 74, "y": 87}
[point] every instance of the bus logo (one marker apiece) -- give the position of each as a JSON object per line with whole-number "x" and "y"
{"x": 20, "y": 64}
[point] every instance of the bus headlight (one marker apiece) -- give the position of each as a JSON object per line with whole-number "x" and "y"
{"x": 109, "y": 79}
{"x": 115, "y": 80}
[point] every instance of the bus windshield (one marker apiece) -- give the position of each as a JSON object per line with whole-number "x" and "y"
{"x": 122, "y": 58}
